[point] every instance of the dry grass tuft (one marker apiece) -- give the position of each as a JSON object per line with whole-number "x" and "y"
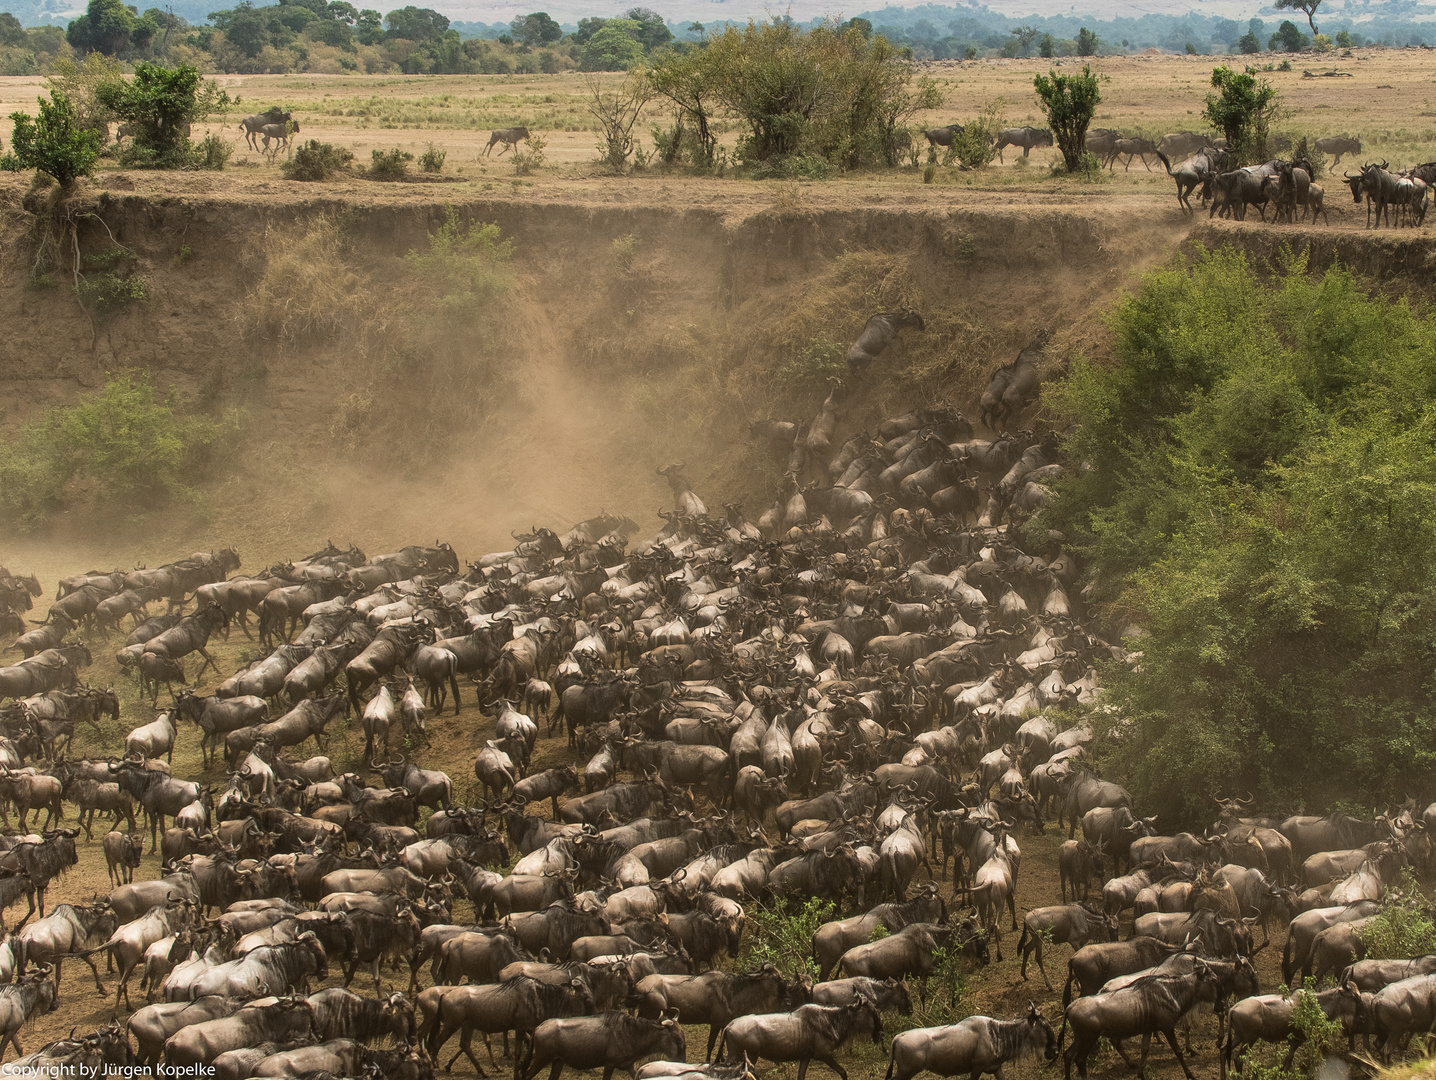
{"x": 307, "y": 288}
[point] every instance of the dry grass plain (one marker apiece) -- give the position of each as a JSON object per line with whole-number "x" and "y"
{"x": 1389, "y": 101}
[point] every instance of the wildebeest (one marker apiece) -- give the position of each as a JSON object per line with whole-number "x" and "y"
{"x": 610, "y": 1040}
{"x": 880, "y": 331}
{"x": 122, "y": 854}
{"x": 1072, "y": 924}
{"x": 1153, "y": 1004}
{"x": 1130, "y": 148}
{"x": 973, "y": 1046}
{"x": 1194, "y": 171}
{"x": 1179, "y": 144}
{"x": 252, "y": 126}
{"x": 29, "y": 996}
{"x": 809, "y": 1031}
{"x": 1013, "y": 386}
{"x": 1338, "y": 145}
{"x": 280, "y": 133}
{"x": 716, "y": 997}
{"x": 510, "y": 137}
{"x": 1268, "y": 1018}
{"x": 1026, "y": 137}
{"x": 942, "y": 136}
{"x": 518, "y": 1005}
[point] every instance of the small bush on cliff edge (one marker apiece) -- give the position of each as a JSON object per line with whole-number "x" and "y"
{"x": 53, "y": 142}
{"x": 316, "y": 161}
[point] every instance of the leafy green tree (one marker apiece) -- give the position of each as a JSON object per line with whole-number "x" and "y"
{"x": 614, "y": 47}
{"x": 11, "y": 32}
{"x": 416, "y": 24}
{"x": 109, "y": 27}
{"x": 1344, "y": 39}
{"x": 245, "y": 27}
{"x": 587, "y": 28}
{"x": 1047, "y": 47}
{"x": 1087, "y": 42}
{"x": 1248, "y": 428}
{"x": 54, "y": 142}
{"x": 1288, "y": 38}
{"x": 343, "y": 11}
{"x": 1306, "y": 7}
{"x": 1249, "y": 44}
{"x": 338, "y": 34}
{"x": 1025, "y": 37}
{"x": 1244, "y": 108}
{"x": 689, "y": 82}
{"x": 652, "y": 32}
{"x": 81, "y": 82}
{"x": 1070, "y": 102}
{"x": 369, "y": 27}
{"x": 160, "y": 102}
{"x": 536, "y": 29}
{"x": 861, "y": 25}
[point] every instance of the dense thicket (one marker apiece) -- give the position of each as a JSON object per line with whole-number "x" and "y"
{"x": 1259, "y": 495}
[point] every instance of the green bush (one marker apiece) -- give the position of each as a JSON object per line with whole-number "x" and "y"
{"x": 213, "y": 152}
{"x": 976, "y": 144}
{"x": 531, "y": 158}
{"x": 52, "y": 142}
{"x": 466, "y": 265}
{"x": 1244, "y": 109}
{"x": 315, "y": 161}
{"x": 161, "y": 103}
{"x": 134, "y": 452}
{"x": 1070, "y": 102}
{"x": 1402, "y": 928}
{"x": 782, "y": 934}
{"x": 432, "y": 159}
{"x": 389, "y": 165}
{"x": 106, "y": 292}
{"x": 1248, "y": 428}
{"x": 1319, "y": 1040}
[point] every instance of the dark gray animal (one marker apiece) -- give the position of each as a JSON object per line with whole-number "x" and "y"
{"x": 880, "y": 331}
{"x": 970, "y": 1047}
{"x": 1026, "y": 137}
{"x": 510, "y": 137}
{"x": 1338, "y": 145}
{"x": 1013, "y": 386}
{"x": 253, "y": 126}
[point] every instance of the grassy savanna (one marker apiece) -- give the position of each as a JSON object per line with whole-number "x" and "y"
{"x": 1389, "y": 102}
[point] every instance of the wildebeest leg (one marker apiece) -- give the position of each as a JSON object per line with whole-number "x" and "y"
{"x": 1122, "y": 1052}
{"x": 93, "y": 971}
{"x": 1172, "y": 1042}
{"x": 454, "y": 684}
{"x": 713, "y": 1037}
{"x": 467, "y": 1050}
{"x": 827, "y": 1060}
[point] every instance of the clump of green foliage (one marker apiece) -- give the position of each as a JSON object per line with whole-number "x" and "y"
{"x": 53, "y": 142}
{"x": 1070, "y": 102}
{"x": 389, "y": 164}
{"x": 1248, "y": 429}
{"x": 1316, "y": 1038}
{"x": 213, "y": 152}
{"x": 531, "y": 158}
{"x": 1403, "y": 927}
{"x": 161, "y": 103}
{"x": 316, "y": 161}
{"x": 1244, "y": 109}
{"x": 432, "y": 159}
{"x": 976, "y": 144}
{"x": 107, "y": 292}
{"x": 782, "y": 934}
{"x": 834, "y": 92}
{"x": 133, "y": 451}
{"x": 467, "y": 265}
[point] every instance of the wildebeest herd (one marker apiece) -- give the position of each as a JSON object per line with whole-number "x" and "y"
{"x": 876, "y": 679}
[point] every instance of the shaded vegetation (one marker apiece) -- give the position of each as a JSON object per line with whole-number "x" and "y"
{"x": 121, "y": 447}
{"x": 1260, "y": 497}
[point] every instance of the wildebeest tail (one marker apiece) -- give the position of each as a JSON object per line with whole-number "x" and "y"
{"x": 1286, "y": 958}
{"x": 1163, "y": 158}
{"x": 892, "y": 1059}
{"x": 1067, "y": 989}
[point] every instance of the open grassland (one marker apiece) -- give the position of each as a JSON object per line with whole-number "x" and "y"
{"x": 1390, "y": 102}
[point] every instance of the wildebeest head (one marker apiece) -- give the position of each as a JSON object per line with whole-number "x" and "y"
{"x": 1042, "y": 1030}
